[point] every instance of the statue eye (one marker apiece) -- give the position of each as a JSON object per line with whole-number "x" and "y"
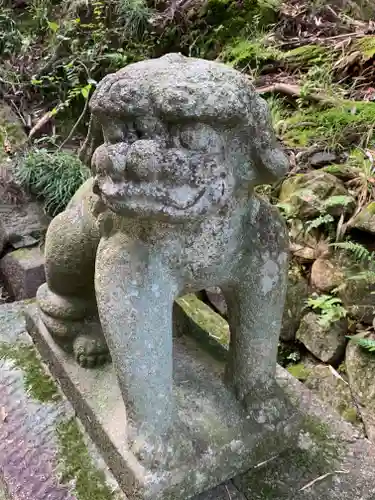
{"x": 114, "y": 133}
{"x": 201, "y": 137}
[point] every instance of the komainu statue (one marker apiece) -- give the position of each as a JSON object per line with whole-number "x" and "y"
{"x": 176, "y": 147}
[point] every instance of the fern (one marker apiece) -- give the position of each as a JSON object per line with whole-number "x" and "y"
{"x": 319, "y": 221}
{"x": 367, "y": 344}
{"x": 330, "y": 309}
{"x": 359, "y": 251}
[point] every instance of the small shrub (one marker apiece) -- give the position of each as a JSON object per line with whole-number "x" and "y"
{"x": 52, "y": 176}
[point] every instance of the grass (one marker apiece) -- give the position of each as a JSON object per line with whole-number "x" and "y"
{"x": 54, "y": 177}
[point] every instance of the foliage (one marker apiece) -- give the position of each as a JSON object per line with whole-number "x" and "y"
{"x": 359, "y": 251}
{"x": 322, "y": 220}
{"x": 366, "y": 344}
{"x": 335, "y": 126}
{"x": 54, "y": 177}
{"x": 330, "y": 308}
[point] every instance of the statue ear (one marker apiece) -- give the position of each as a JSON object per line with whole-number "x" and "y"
{"x": 93, "y": 140}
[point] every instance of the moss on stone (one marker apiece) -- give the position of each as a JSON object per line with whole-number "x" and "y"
{"x": 351, "y": 415}
{"x": 37, "y": 382}
{"x": 299, "y": 371}
{"x": 207, "y": 319}
{"x": 307, "y": 55}
{"x": 76, "y": 464}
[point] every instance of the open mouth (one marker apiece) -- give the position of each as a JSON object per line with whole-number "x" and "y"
{"x": 148, "y": 195}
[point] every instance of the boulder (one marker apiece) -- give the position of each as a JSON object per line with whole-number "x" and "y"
{"x": 325, "y": 342}
{"x": 308, "y": 195}
{"x": 322, "y": 158}
{"x": 24, "y": 225}
{"x": 23, "y": 272}
{"x": 360, "y": 367}
{"x": 326, "y": 275}
{"x": 358, "y": 298}
{"x": 295, "y": 303}
{"x": 333, "y": 390}
{"x": 365, "y": 219}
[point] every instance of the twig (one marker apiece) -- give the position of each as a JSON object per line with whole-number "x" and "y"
{"x": 321, "y": 478}
{"x": 295, "y": 91}
{"x": 40, "y": 123}
{"x": 81, "y": 116}
{"x": 229, "y": 495}
{"x": 74, "y": 128}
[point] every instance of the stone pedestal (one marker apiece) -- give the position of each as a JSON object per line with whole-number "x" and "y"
{"x": 228, "y": 441}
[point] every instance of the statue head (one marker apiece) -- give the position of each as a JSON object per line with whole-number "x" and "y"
{"x": 183, "y": 137}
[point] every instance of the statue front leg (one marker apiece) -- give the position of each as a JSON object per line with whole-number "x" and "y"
{"x": 135, "y": 297}
{"x": 255, "y": 309}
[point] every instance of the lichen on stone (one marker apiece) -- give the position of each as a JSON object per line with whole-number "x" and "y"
{"x": 39, "y": 385}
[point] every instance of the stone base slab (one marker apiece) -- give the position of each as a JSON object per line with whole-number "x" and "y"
{"x": 230, "y": 441}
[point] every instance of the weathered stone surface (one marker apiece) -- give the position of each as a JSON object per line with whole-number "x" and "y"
{"x": 23, "y": 272}
{"x": 365, "y": 220}
{"x": 326, "y": 275}
{"x": 360, "y": 367}
{"x": 24, "y": 225}
{"x": 322, "y": 158}
{"x": 44, "y": 455}
{"x": 217, "y": 300}
{"x": 335, "y": 391}
{"x": 358, "y": 297}
{"x": 2, "y": 237}
{"x": 205, "y": 411}
{"x": 308, "y": 195}
{"x": 327, "y": 343}
{"x": 295, "y": 303}
{"x": 176, "y": 213}
{"x": 330, "y": 460}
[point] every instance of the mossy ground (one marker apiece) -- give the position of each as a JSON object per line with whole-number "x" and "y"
{"x": 76, "y": 464}
{"x": 39, "y": 385}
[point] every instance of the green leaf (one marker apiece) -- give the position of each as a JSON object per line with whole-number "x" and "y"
{"x": 85, "y": 91}
{"x": 53, "y": 26}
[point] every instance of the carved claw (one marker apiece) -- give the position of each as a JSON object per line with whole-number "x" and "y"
{"x": 90, "y": 352}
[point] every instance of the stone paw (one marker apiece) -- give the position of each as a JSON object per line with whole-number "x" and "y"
{"x": 90, "y": 352}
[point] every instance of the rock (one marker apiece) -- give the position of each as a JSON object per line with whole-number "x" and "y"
{"x": 23, "y": 272}
{"x": 325, "y": 275}
{"x": 334, "y": 390}
{"x": 322, "y": 158}
{"x": 308, "y": 195}
{"x": 365, "y": 219}
{"x": 3, "y": 237}
{"x": 13, "y": 134}
{"x": 297, "y": 293}
{"x": 24, "y": 225}
{"x": 358, "y": 298}
{"x": 360, "y": 367}
{"x": 344, "y": 172}
{"x": 327, "y": 343}
{"x": 217, "y": 300}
